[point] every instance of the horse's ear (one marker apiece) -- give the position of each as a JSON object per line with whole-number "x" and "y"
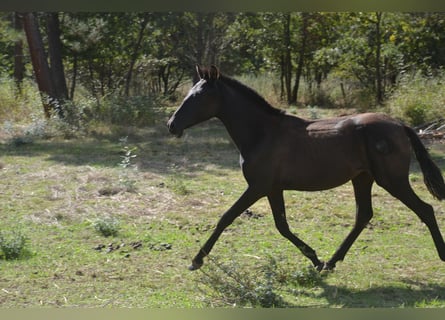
{"x": 199, "y": 72}
{"x": 214, "y": 72}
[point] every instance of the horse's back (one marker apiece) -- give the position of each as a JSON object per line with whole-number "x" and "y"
{"x": 353, "y": 122}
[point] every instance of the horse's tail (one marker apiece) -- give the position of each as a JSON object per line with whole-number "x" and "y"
{"x": 432, "y": 175}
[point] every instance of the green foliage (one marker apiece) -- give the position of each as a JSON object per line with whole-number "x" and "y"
{"x": 107, "y": 226}
{"x": 234, "y": 286}
{"x": 125, "y": 179}
{"x": 125, "y": 60}
{"x": 308, "y": 277}
{"x": 418, "y": 99}
{"x": 263, "y": 285}
{"x": 12, "y": 245}
{"x": 22, "y": 115}
{"x": 130, "y": 111}
{"x": 8, "y": 36}
{"x": 19, "y": 106}
{"x": 416, "y": 113}
{"x": 178, "y": 186}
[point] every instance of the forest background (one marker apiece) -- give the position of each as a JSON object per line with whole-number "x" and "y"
{"x": 117, "y": 67}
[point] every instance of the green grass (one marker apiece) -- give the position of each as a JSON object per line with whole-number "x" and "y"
{"x": 51, "y": 193}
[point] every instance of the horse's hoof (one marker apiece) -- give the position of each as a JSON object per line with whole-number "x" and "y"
{"x": 328, "y": 268}
{"x": 195, "y": 266}
{"x": 324, "y": 267}
{"x": 320, "y": 267}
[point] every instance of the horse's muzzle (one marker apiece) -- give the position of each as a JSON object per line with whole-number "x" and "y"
{"x": 172, "y": 128}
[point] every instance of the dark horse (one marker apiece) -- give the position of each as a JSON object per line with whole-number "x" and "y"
{"x": 283, "y": 152}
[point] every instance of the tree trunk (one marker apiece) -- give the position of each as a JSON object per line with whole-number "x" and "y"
{"x": 205, "y": 38}
{"x": 93, "y": 87}
{"x": 378, "y": 71}
{"x": 200, "y": 38}
{"x": 282, "y": 91}
{"x": 135, "y": 54}
{"x": 55, "y": 57}
{"x": 200, "y": 43}
{"x": 19, "y": 67}
{"x": 287, "y": 61}
{"x": 74, "y": 76}
{"x": 302, "y": 52}
{"x": 39, "y": 62}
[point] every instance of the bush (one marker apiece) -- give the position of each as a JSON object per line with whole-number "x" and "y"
{"x": 14, "y": 105}
{"x": 418, "y": 99}
{"x": 107, "y": 226}
{"x": 136, "y": 111}
{"x": 308, "y": 277}
{"x": 12, "y": 245}
{"x": 230, "y": 285}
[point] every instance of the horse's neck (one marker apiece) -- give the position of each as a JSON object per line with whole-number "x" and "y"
{"x": 245, "y": 122}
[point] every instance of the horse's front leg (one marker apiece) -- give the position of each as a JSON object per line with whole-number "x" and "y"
{"x": 276, "y": 201}
{"x": 249, "y": 197}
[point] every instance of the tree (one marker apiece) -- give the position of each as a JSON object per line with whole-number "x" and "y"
{"x": 300, "y": 40}
{"x": 50, "y": 78}
{"x": 286, "y": 59}
{"x": 19, "y": 66}
{"x": 378, "y": 50}
{"x": 365, "y": 52}
{"x": 137, "y": 45}
{"x": 304, "y": 35}
{"x": 125, "y": 54}
{"x": 55, "y": 57}
{"x": 39, "y": 62}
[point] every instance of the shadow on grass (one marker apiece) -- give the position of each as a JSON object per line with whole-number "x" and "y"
{"x": 69, "y": 152}
{"x": 263, "y": 286}
{"x": 408, "y": 294}
{"x": 156, "y": 150}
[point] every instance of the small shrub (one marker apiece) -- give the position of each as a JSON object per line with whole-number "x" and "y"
{"x": 178, "y": 186}
{"x": 417, "y": 113}
{"x": 136, "y": 110}
{"x": 71, "y": 120}
{"x": 14, "y": 104}
{"x": 126, "y": 181}
{"x": 12, "y": 245}
{"x": 314, "y": 112}
{"x": 418, "y": 99}
{"x": 308, "y": 277}
{"x": 107, "y": 226}
{"x": 230, "y": 285}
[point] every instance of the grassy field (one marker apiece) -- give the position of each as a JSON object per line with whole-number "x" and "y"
{"x": 161, "y": 197}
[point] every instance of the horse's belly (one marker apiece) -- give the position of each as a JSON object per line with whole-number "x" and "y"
{"x": 315, "y": 181}
{"x": 321, "y": 174}
{"x": 307, "y": 163}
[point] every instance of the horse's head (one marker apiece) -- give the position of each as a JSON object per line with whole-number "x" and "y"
{"x": 201, "y": 103}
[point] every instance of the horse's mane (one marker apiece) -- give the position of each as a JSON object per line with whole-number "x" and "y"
{"x": 251, "y": 94}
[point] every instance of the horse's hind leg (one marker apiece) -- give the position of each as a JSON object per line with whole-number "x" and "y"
{"x": 362, "y": 189}
{"x": 279, "y": 213}
{"x": 403, "y": 191}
